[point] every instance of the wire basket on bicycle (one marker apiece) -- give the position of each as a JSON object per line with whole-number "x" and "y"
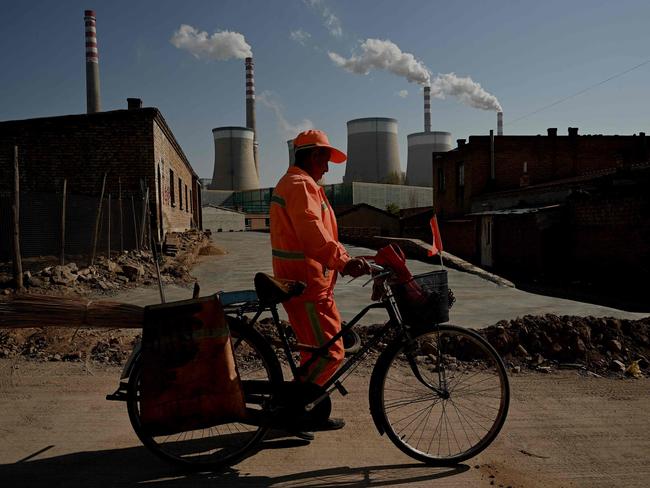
{"x": 423, "y": 298}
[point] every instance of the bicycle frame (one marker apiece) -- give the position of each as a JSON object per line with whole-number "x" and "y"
{"x": 248, "y": 303}
{"x": 388, "y": 303}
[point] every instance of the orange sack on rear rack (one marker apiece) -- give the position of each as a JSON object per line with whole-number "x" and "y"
{"x": 189, "y": 379}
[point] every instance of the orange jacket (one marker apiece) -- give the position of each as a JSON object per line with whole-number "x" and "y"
{"x": 304, "y": 235}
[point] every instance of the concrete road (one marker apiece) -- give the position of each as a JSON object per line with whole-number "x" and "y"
{"x": 563, "y": 430}
{"x": 479, "y": 302}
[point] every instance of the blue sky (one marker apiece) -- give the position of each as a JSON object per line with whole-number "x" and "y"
{"x": 528, "y": 54}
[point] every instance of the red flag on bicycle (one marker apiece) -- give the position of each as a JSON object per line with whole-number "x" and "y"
{"x": 436, "y": 246}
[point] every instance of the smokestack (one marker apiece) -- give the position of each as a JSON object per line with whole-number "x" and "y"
{"x": 250, "y": 106}
{"x": 492, "y": 168}
{"x": 427, "y": 109}
{"x": 292, "y": 154}
{"x": 499, "y": 123}
{"x": 92, "y": 64}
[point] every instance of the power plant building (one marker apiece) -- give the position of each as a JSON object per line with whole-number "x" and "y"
{"x": 421, "y": 148}
{"x": 234, "y": 159}
{"x": 373, "y": 151}
{"x": 340, "y": 195}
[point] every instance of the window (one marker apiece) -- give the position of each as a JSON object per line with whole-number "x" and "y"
{"x": 180, "y": 193}
{"x": 441, "y": 179}
{"x": 172, "y": 199}
{"x": 461, "y": 174}
{"x": 191, "y": 203}
{"x": 187, "y": 202}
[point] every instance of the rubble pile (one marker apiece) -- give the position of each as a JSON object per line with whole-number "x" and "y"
{"x": 124, "y": 270}
{"x": 596, "y": 344}
{"x": 602, "y": 346}
{"x": 111, "y": 347}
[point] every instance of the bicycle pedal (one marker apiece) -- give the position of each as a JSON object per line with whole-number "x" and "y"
{"x": 340, "y": 388}
{"x": 118, "y": 396}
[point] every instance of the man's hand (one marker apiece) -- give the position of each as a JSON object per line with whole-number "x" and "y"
{"x": 356, "y": 267}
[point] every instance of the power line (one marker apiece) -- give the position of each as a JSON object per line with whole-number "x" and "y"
{"x": 581, "y": 91}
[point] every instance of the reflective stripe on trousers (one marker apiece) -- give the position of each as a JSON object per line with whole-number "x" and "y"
{"x": 316, "y": 322}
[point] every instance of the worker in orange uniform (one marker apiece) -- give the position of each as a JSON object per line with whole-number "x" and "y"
{"x": 305, "y": 247}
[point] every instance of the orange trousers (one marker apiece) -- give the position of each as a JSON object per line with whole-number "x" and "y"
{"x": 315, "y": 322}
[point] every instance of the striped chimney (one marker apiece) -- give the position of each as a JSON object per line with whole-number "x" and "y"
{"x": 250, "y": 106}
{"x": 92, "y": 64}
{"x": 499, "y": 123}
{"x": 427, "y": 109}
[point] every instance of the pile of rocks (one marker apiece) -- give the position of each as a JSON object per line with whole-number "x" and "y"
{"x": 131, "y": 267}
{"x": 596, "y": 344}
{"x": 123, "y": 270}
{"x": 65, "y": 344}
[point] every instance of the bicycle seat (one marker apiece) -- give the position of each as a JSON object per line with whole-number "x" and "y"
{"x": 272, "y": 291}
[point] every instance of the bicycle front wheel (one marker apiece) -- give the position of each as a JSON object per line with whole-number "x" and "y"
{"x": 224, "y": 444}
{"x": 441, "y": 397}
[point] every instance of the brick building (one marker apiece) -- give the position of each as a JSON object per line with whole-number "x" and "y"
{"x": 548, "y": 206}
{"x": 366, "y": 220}
{"x": 487, "y": 165}
{"x": 132, "y": 147}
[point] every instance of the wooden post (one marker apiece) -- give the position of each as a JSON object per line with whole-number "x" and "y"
{"x": 65, "y": 187}
{"x": 119, "y": 199}
{"x": 147, "y": 221}
{"x": 135, "y": 224}
{"x": 15, "y": 210}
{"x": 145, "y": 201}
{"x": 99, "y": 213}
{"x": 109, "y": 228}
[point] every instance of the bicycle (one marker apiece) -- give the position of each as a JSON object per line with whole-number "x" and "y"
{"x": 438, "y": 391}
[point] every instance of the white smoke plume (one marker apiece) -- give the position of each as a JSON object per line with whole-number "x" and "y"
{"x": 289, "y": 130}
{"x": 331, "y": 21}
{"x": 300, "y": 36}
{"x": 464, "y": 89}
{"x": 402, "y": 93}
{"x": 220, "y": 46}
{"x": 385, "y": 55}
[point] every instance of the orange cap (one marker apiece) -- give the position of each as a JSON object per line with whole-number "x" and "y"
{"x": 318, "y": 138}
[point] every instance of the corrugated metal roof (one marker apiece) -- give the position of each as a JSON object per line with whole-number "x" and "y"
{"x": 517, "y": 211}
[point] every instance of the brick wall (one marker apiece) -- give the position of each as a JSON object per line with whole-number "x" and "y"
{"x": 80, "y": 148}
{"x": 126, "y": 145}
{"x": 613, "y": 231}
{"x": 363, "y": 216}
{"x": 177, "y": 214}
{"x": 548, "y": 158}
{"x": 459, "y": 237}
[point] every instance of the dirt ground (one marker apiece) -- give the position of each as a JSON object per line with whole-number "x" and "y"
{"x": 563, "y": 430}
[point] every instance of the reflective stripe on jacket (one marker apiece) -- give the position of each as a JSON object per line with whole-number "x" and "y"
{"x": 304, "y": 235}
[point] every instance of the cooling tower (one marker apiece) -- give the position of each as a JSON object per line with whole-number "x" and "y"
{"x": 234, "y": 162}
{"x": 421, "y": 146}
{"x": 92, "y": 64}
{"x": 373, "y": 152}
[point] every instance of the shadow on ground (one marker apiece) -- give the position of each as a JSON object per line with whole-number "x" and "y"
{"x": 135, "y": 465}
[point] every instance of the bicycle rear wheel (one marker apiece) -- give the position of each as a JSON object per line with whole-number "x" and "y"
{"x": 441, "y": 398}
{"x": 224, "y": 444}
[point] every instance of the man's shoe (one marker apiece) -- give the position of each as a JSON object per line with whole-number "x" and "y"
{"x": 330, "y": 424}
{"x": 302, "y": 434}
